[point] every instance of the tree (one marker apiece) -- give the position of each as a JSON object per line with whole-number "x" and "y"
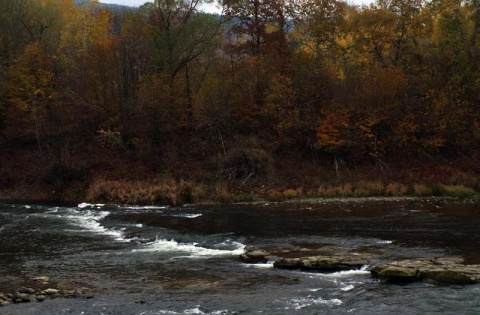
{"x": 258, "y": 27}
{"x": 29, "y": 88}
{"x": 180, "y": 33}
{"x": 321, "y": 25}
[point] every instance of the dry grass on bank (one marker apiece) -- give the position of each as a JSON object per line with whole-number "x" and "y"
{"x": 173, "y": 192}
{"x": 378, "y": 188}
{"x": 169, "y": 192}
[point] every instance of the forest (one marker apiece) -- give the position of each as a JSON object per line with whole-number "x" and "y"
{"x": 277, "y": 98}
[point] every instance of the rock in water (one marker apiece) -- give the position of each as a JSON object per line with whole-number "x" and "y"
{"x": 22, "y": 297}
{"x": 50, "y": 291}
{"x": 255, "y": 256}
{"x": 26, "y": 290}
{"x": 42, "y": 279}
{"x": 323, "y": 258}
{"x": 324, "y": 263}
{"x": 65, "y": 286}
{"x": 448, "y": 270}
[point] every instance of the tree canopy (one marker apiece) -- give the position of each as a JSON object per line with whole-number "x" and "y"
{"x": 231, "y": 97}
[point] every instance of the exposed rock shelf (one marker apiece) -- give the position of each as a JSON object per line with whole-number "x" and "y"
{"x": 446, "y": 270}
{"x": 318, "y": 259}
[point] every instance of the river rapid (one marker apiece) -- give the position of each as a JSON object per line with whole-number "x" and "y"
{"x": 165, "y": 260}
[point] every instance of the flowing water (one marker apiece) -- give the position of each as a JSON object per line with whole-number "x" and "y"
{"x": 165, "y": 260}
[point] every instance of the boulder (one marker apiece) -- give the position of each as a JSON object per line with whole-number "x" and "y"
{"x": 21, "y": 297}
{"x": 26, "y": 290}
{"x": 256, "y": 256}
{"x": 288, "y": 263}
{"x": 42, "y": 279}
{"x": 50, "y": 291}
{"x": 394, "y": 273}
{"x": 65, "y": 286}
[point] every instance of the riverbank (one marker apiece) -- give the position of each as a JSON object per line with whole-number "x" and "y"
{"x": 178, "y": 193}
{"x": 100, "y": 175}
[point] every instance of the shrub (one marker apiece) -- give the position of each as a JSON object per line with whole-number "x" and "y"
{"x": 462, "y": 178}
{"x": 452, "y": 191}
{"x": 422, "y": 190}
{"x": 439, "y": 190}
{"x": 346, "y": 190}
{"x": 275, "y": 196}
{"x": 365, "y": 189}
{"x": 242, "y": 197}
{"x": 458, "y": 191}
{"x": 168, "y": 192}
{"x": 396, "y": 189}
{"x": 328, "y": 191}
{"x": 290, "y": 194}
{"x": 221, "y": 193}
{"x": 241, "y": 164}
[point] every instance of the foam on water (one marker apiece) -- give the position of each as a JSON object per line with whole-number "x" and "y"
{"x": 340, "y": 274}
{"x": 384, "y": 242}
{"x": 194, "y": 251}
{"x": 301, "y": 303}
{"x": 53, "y": 210}
{"x": 90, "y": 205}
{"x": 195, "y": 310}
{"x": 145, "y": 207}
{"x": 347, "y": 288}
{"x": 267, "y": 265}
{"x": 188, "y": 215}
{"x": 89, "y": 221}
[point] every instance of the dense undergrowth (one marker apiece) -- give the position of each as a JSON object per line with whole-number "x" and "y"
{"x": 120, "y": 179}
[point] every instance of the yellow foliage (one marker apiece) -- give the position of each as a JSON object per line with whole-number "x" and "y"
{"x": 20, "y": 104}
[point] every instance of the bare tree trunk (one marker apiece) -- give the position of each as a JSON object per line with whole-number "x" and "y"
{"x": 37, "y": 130}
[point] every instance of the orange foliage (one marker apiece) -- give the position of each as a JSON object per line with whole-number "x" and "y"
{"x": 332, "y": 133}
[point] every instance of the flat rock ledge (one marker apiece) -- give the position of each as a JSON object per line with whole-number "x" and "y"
{"x": 320, "y": 263}
{"x": 446, "y": 270}
{"x": 324, "y": 263}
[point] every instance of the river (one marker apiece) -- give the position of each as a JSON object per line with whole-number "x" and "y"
{"x": 166, "y": 260}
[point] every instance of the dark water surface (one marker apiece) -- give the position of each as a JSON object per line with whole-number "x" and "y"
{"x": 185, "y": 260}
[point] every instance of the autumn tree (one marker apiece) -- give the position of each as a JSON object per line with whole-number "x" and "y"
{"x": 258, "y": 26}
{"x": 320, "y": 24}
{"x": 180, "y": 33}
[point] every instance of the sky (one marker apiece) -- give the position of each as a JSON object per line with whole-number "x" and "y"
{"x": 210, "y": 8}
{"x": 137, "y": 3}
